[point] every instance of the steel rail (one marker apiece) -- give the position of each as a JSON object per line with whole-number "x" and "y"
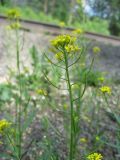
{"x": 35, "y": 26}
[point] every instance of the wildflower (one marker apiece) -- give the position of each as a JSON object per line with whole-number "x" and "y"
{"x": 95, "y": 156}
{"x": 101, "y": 79}
{"x": 96, "y": 50}
{"x": 4, "y": 124}
{"x": 62, "y": 24}
{"x": 72, "y": 48}
{"x": 83, "y": 140}
{"x": 41, "y": 92}
{"x": 13, "y": 14}
{"x": 59, "y": 56}
{"x": 105, "y": 89}
{"x": 78, "y": 31}
{"x": 62, "y": 41}
{"x": 15, "y": 25}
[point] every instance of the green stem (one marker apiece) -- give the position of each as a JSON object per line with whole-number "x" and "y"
{"x": 20, "y": 90}
{"x": 10, "y": 141}
{"x": 72, "y": 111}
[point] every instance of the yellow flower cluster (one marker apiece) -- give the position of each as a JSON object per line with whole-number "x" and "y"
{"x": 105, "y": 89}
{"x": 62, "y": 24}
{"x": 71, "y": 48}
{"x": 83, "y": 140}
{"x": 96, "y": 50}
{"x": 41, "y": 92}
{"x": 13, "y": 14}
{"x": 78, "y": 31}
{"x": 4, "y": 124}
{"x": 62, "y": 41}
{"x": 95, "y": 156}
{"x": 15, "y": 25}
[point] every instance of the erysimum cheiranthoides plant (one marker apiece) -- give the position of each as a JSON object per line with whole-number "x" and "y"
{"x": 13, "y": 136}
{"x": 15, "y": 127}
{"x": 66, "y": 55}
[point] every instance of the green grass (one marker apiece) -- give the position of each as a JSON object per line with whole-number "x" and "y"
{"x": 97, "y": 25}
{"x": 29, "y": 14}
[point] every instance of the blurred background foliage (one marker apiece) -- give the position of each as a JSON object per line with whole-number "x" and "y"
{"x": 91, "y": 15}
{"x": 110, "y": 10}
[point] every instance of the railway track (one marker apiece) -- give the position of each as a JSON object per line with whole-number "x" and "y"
{"x": 38, "y": 27}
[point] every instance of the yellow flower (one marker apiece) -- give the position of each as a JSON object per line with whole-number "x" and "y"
{"x": 95, "y": 156}
{"x": 101, "y": 79}
{"x": 4, "y": 124}
{"x": 78, "y": 31}
{"x": 105, "y": 89}
{"x": 72, "y": 48}
{"x": 15, "y": 25}
{"x": 41, "y": 92}
{"x": 83, "y": 140}
{"x": 96, "y": 50}
{"x": 62, "y": 24}
{"x": 59, "y": 56}
{"x": 62, "y": 40}
{"x": 13, "y": 14}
